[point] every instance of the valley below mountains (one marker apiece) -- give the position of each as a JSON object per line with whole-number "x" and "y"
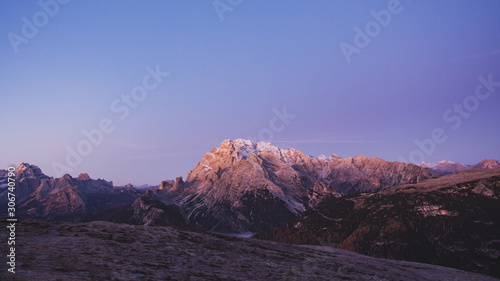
{"x": 443, "y": 214}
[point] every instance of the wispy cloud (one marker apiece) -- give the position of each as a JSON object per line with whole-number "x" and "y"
{"x": 344, "y": 139}
{"x": 52, "y": 144}
{"x": 324, "y": 141}
{"x": 163, "y": 155}
{"x": 145, "y": 151}
{"x": 482, "y": 55}
{"x": 134, "y": 146}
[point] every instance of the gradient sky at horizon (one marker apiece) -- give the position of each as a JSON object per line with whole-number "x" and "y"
{"x": 227, "y": 76}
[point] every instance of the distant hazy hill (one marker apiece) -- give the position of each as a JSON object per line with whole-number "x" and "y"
{"x": 448, "y": 167}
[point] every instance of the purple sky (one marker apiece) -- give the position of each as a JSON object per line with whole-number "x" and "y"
{"x": 232, "y": 72}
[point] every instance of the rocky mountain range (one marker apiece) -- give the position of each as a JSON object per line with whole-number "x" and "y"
{"x": 238, "y": 187}
{"x": 28, "y": 178}
{"x": 452, "y": 221}
{"x": 243, "y": 186}
{"x": 448, "y": 167}
{"x": 368, "y": 205}
{"x": 65, "y": 198}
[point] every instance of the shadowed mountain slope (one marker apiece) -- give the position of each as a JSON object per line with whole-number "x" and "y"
{"x": 453, "y": 221}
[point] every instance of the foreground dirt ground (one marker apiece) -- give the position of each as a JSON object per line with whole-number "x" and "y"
{"x": 109, "y": 251}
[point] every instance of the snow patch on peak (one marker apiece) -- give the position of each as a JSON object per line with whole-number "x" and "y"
{"x": 330, "y": 158}
{"x": 427, "y": 165}
{"x": 323, "y": 157}
{"x": 243, "y": 142}
{"x": 445, "y": 162}
{"x": 266, "y": 146}
{"x": 31, "y": 171}
{"x": 438, "y": 164}
{"x": 244, "y": 148}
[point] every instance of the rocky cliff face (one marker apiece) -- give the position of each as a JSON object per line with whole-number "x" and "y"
{"x": 487, "y": 164}
{"x": 65, "y": 198}
{"x": 243, "y": 186}
{"x": 453, "y": 221}
{"x": 147, "y": 210}
{"x": 28, "y": 178}
{"x": 240, "y": 186}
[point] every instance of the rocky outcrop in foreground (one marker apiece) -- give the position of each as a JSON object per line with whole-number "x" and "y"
{"x": 109, "y": 251}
